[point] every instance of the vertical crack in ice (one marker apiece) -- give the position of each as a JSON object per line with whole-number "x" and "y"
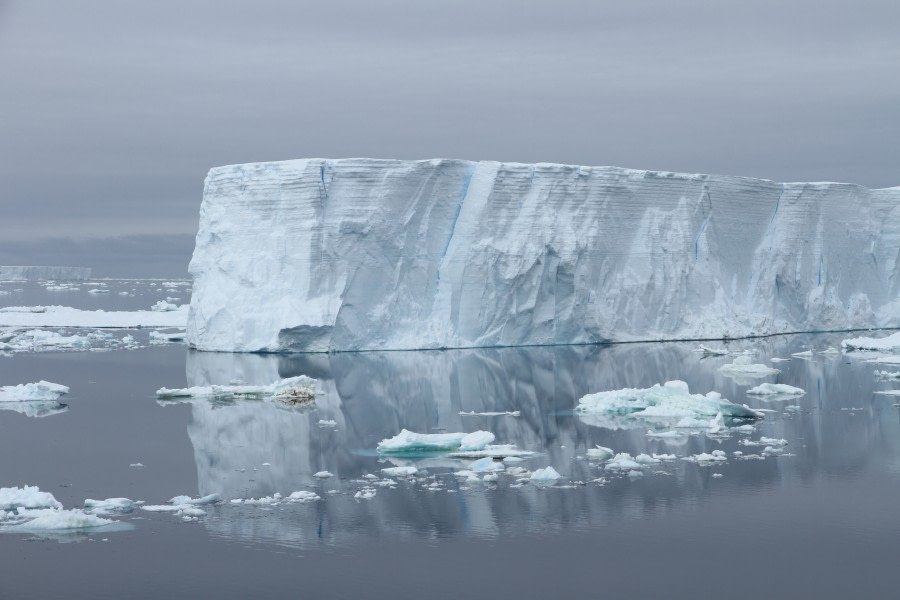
{"x": 459, "y": 205}
{"x": 703, "y": 225}
{"x": 322, "y": 178}
{"x": 777, "y": 204}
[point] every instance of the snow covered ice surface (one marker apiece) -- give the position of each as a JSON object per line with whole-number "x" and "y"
{"x": 775, "y": 389}
{"x": 27, "y": 509}
{"x": 744, "y": 368}
{"x": 890, "y": 343}
{"x": 33, "y": 399}
{"x": 316, "y": 255}
{"x": 64, "y": 316}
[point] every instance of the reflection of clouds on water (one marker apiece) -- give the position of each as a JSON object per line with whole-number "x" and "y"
{"x": 372, "y": 396}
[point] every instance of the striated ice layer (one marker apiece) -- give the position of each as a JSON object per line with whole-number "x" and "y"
{"x": 35, "y": 273}
{"x": 318, "y": 255}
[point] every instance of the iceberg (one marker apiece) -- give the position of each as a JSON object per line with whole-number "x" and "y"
{"x": 665, "y": 403}
{"x": 410, "y": 442}
{"x": 743, "y": 368}
{"x": 775, "y": 389}
{"x": 316, "y": 255}
{"x": 890, "y": 343}
{"x": 43, "y": 273}
{"x": 42, "y": 391}
{"x": 545, "y": 475}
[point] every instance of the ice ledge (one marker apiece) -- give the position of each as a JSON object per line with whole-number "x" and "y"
{"x": 357, "y": 254}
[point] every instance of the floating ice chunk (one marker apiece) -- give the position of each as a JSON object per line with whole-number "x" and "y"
{"x": 109, "y": 506}
{"x": 490, "y": 478}
{"x": 689, "y": 423}
{"x": 635, "y": 474}
{"x": 888, "y": 392}
{"x": 776, "y": 389}
{"x": 400, "y": 471}
{"x": 707, "y": 351}
{"x": 779, "y": 360}
{"x": 46, "y": 520}
{"x": 163, "y": 306}
{"x": 512, "y": 459}
{"x": 159, "y": 337}
{"x": 208, "y": 499}
{"x": 136, "y": 465}
{"x": 661, "y": 403}
{"x": 547, "y": 474}
{"x": 323, "y": 475}
{"x": 806, "y": 354}
{"x": 98, "y": 291}
{"x": 703, "y": 457}
{"x": 513, "y": 413}
{"x": 830, "y": 351}
{"x": 29, "y": 392}
{"x": 475, "y": 441}
{"x": 411, "y": 442}
{"x": 485, "y": 465}
{"x": 890, "y": 343}
{"x": 599, "y": 453}
{"x": 28, "y": 497}
{"x": 664, "y": 457}
{"x": 646, "y": 459}
{"x": 744, "y": 367}
{"x": 293, "y": 390}
{"x": 467, "y": 474}
{"x": 365, "y": 494}
{"x": 494, "y": 451}
{"x": 764, "y": 441}
{"x": 887, "y": 374}
{"x": 622, "y": 462}
{"x": 303, "y": 496}
{"x": 326, "y": 423}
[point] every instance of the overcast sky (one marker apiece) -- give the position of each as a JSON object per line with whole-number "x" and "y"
{"x": 111, "y": 112}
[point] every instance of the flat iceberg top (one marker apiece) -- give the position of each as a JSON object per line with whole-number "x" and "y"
{"x": 890, "y": 343}
{"x": 32, "y": 392}
{"x": 316, "y": 255}
{"x": 64, "y": 316}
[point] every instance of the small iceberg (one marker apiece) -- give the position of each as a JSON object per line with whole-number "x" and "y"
{"x": 545, "y": 475}
{"x": 887, "y": 375}
{"x": 455, "y": 445}
{"x": 599, "y": 453}
{"x": 743, "y": 367}
{"x": 890, "y": 343}
{"x": 672, "y": 401}
{"x": 300, "y": 390}
{"x": 31, "y": 392}
{"x": 400, "y": 471}
{"x": 109, "y": 506}
{"x": 27, "y": 509}
{"x": 776, "y": 389}
{"x": 707, "y": 351}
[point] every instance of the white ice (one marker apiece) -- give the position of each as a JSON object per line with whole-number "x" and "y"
{"x": 890, "y": 343}
{"x": 406, "y": 471}
{"x": 411, "y": 442}
{"x": 295, "y": 390}
{"x": 64, "y": 316}
{"x": 547, "y": 474}
{"x": 660, "y": 403}
{"x": 41, "y": 391}
{"x": 776, "y": 389}
{"x": 743, "y": 367}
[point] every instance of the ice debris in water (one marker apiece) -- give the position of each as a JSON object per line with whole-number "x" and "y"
{"x": 458, "y": 445}
{"x": 703, "y": 457}
{"x": 323, "y": 475}
{"x": 775, "y": 389}
{"x": 109, "y": 506}
{"x": 184, "y": 506}
{"x": 513, "y": 413}
{"x": 887, "y": 375}
{"x": 599, "y": 453}
{"x": 890, "y": 343}
{"x": 293, "y": 390}
{"x": 547, "y": 474}
{"x": 65, "y": 316}
{"x": 327, "y": 423}
{"x": 830, "y": 351}
{"x": 486, "y": 465}
{"x": 28, "y": 509}
{"x": 806, "y": 354}
{"x": 743, "y": 366}
{"x": 160, "y": 337}
{"x": 400, "y": 471}
{"x": 662, "y": 403}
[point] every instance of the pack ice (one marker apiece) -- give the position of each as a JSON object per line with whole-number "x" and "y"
{"x": 318, "y": 255}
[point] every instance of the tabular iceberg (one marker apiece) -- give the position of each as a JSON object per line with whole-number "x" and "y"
{"x": 353, "y": 254}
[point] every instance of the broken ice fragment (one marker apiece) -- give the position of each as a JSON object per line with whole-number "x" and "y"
{"x": 300, "y": 390}
{"x": 547, "y": 474}
{"x": 400, "y": 471}
{"x": 775, "y": 389}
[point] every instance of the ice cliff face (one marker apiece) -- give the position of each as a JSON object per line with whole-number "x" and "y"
{"x": 317, "y": 255}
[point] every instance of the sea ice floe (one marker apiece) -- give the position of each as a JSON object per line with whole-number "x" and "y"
{"x": 622, "y": 462}
{"x": 513, "y": 413}
{"x": 890, "y": 343}
{"x": 665, "y": 435}
{"x": 599, "y": 453}
{"x": 661, "y": 404}
{"x": 160, "y": 337}
{"x": 64, "y": 316}
{"x": 300, "y": 390}
{"x": 326, "y": 423}
{"x": 406, "y": 471}
{"x": 411, "y": 442}
{"x": 703, "y": 457}
{"x": 109, "y": 506}
{"x": 27, "y": 497}
{"x": 323, "y": 475}
{"x": 743, "y": 366}
{"x": 164, "y": 306}
{"x": 776, "y": 389}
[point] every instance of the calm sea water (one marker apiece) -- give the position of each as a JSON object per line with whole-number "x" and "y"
{"x": 818, "y": 521}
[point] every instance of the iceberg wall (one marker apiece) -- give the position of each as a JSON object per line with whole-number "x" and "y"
{"x": 36, "y": 273}
{"x": 354, "y": 254}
